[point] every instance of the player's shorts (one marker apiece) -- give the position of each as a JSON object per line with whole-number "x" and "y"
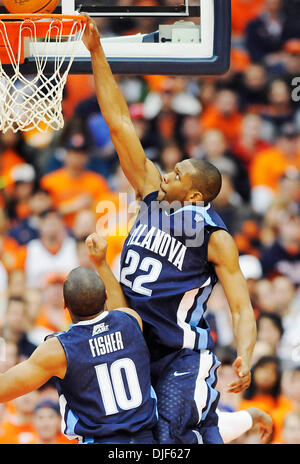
{"x": 184, "y": 383}
{"x": 141, "y": 438}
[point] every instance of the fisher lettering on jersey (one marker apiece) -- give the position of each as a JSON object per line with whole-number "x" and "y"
{"x": 106, "y": 344}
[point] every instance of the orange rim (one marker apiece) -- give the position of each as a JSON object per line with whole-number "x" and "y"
{"x": 9, "y": 31}
{"x": 36, "y": 17}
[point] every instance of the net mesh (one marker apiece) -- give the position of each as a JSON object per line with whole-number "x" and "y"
{"x": 35, "y": 101}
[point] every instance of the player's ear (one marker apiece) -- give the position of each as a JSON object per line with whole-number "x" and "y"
{"x": 195, "y": 197}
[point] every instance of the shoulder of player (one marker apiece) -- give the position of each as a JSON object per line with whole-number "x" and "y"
{"x": 130, "y": 312}
{"x": 221, "y": 247}
{"x": 50, "y": 354}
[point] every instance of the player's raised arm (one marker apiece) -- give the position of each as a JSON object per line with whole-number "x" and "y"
{"x": 141, "y": 172}
{"x": 97, "y": 247}
{"x": 47, "y": 361}
{"x": 223, "y": 253}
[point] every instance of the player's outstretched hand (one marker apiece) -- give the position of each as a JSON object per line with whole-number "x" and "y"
{"x": 243, "y": 372}
{"x": 97, "y": 247}
{"x": 91, "y": 36}
{"x": 265, "y": 423}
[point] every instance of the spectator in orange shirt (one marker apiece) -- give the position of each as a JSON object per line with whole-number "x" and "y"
{"x": 9, "y": 156}
{"x": 72, "y": 187}
{"x": 11, "y": 254}
{"x": 18, "y": 428}
{"x": 250, "y": 140}
{"x": 264, "y": 391}
{"x": 242, "y": 11}
{"x": 224, "y": 115}
{"x": 46, "y": 422}
{"x": 271, "y": 164}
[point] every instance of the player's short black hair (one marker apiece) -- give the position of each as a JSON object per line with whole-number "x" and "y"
{"x": 84, "y": 292}
{"x": 207, "y": 180}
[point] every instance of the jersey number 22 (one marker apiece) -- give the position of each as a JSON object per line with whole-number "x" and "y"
{"x": 150, "y": 265}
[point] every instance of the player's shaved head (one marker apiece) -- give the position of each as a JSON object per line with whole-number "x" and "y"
{"x": 207, "y": 179}
{"x": 84, "y": 292}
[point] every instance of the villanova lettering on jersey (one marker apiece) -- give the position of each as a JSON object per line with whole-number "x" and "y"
{"x": 107, "y": 389}
{"x": 166, "y": 276}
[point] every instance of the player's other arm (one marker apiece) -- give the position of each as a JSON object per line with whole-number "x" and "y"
{"x": 141, "y": 172}
{"x": 46, "y": 361}
{"x": 223, "y": 253}
{"x": 97, "y": 247}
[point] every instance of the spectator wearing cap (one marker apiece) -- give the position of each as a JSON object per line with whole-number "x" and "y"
{"x": 53, "y": 252}
{"x": 17, "y": 204}
{"x": 269, "y": 165}
{"x": 46, "y": 422}
{"x": 252, "y": 271}
{"x": 72, "y": 187}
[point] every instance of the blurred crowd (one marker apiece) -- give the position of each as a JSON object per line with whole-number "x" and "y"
{"x": 247, "y": 123}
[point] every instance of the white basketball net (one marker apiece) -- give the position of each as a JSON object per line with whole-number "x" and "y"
{"x": 35, "y": 101}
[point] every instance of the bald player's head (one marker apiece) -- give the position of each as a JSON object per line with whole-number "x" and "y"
{"x": 84, "y": 292}
{"x": 192, "y": 180}
{"x": 207, "y": 179}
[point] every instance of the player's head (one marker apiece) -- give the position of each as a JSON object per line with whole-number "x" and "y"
{"x": 192, "y": 181}
{"x": 84, "y": 293}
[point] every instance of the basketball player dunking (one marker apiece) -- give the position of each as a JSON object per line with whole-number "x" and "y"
{"x": 171, "y": 260}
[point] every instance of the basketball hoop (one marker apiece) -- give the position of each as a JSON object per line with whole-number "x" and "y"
{"x": 35, "y": 101}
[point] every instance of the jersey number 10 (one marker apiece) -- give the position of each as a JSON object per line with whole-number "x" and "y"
{"x": 112, "y": 386}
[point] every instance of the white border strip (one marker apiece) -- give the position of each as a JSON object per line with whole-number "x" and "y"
{"x": 117, "y": 47}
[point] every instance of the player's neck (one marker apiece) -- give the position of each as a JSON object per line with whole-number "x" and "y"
{"x": 76, "y": 319}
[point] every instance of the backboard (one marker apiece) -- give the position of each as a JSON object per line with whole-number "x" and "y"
{"x": 172, "y": 37}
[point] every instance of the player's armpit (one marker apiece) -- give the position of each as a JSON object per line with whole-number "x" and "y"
{"x": 46, "y": 361}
